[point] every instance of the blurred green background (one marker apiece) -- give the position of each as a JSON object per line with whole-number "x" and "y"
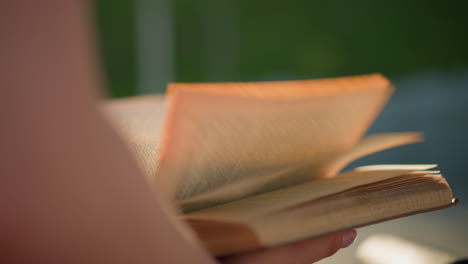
{"x": 263, "y": 40}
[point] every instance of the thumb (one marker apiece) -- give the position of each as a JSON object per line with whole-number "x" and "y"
{"x": 306, "y": 251}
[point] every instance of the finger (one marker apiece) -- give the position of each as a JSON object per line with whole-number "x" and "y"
{"x": 303, "y": 252}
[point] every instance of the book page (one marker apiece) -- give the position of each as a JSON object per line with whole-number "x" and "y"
{"x": 368, "y": 145}
{"x": 138, "y": 120}
{"x": 288, "y": 89}
{"x": 361, "y": 205}
{"x": 247, "y": 187}
{"x": 350, "y": 209}
{"x": 213, "y": 139}
{"x": 267, "y": 203}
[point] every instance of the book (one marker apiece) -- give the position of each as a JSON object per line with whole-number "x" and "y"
{"x": 258, "y": 164}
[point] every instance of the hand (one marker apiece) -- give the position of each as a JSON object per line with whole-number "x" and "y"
{"x": 307, "y": 251}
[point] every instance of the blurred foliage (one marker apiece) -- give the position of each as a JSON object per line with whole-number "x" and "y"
{"x": 292, "y": 39}
{"x": 115, "y": 21}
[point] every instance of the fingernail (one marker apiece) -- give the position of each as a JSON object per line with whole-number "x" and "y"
{"x": 348, "y": 238}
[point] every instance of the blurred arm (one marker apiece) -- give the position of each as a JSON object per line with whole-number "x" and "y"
{"x": 70, "y": 191}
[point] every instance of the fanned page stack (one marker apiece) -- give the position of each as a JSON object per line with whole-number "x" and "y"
{"x": 257, "y": 164}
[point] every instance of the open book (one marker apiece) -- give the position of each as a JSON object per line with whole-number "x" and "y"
{"x": 258, "y": 164}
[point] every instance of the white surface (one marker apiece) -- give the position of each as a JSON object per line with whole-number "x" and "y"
{"x": 445, "y": 230}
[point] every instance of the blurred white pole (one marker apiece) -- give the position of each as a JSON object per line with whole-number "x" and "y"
{"x": 154, "y": 45}
{"x": 386, "y": 249}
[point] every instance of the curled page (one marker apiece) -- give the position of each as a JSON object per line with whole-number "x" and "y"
{"x": 219, "y": 134}
{"x": 254, "y": 185}
{"x": 368, "y": 145}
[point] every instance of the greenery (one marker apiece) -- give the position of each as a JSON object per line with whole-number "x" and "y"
{"x": 246, "y": 40}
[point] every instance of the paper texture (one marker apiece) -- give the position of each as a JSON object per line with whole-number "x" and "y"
{"x": 213, "y": 139}
{"x": 139, "y": 120}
